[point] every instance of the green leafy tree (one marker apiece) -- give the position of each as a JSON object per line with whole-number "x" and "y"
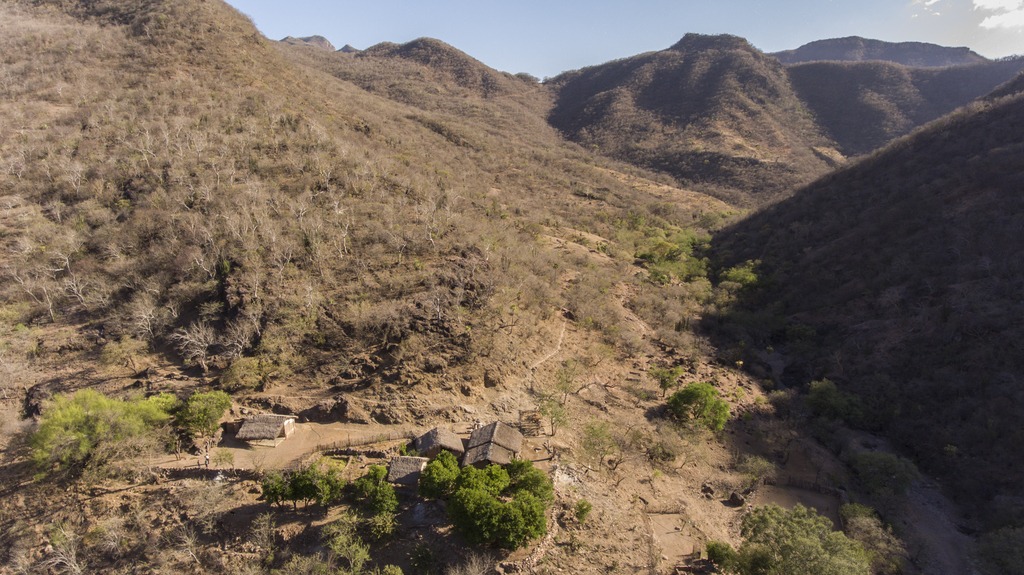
{"x": 827, "y": 400}
{"x": 725, "y": 558}
{"x": 520, "y": 520}
{"x": 886, "y": 551}
{"x": 797, "y": 542}
{"x": 202, "y": 412}
{"x": 554, "y": 410}
{"x": 276, "y": 489}
{"x": 884, "y": 474}
{"x": 91, "y": 428}
{"x": 492, "y": 479}
{"x": 438, "y": 479}
{"x": 245, "y": 373}
{"x": 700, "y": 403}
{"x": 302, "y": 486}
{"x": 377, "y": 495}
{"x": 475, "y": 513}
{"x": 524, "y": 477}
{"x": 744, "y": 274}
{"x": 667, "y": 377}
{"x": 501, "y": 506}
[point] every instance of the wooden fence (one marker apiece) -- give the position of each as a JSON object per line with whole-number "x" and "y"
{"x": 347, "y": 444}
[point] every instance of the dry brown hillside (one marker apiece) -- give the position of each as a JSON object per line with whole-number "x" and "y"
{"x": 864, "y": 105}
{"x": 711, "y": 111}
{"x": 899, "y": 279}
{"x": 189, "y": 207}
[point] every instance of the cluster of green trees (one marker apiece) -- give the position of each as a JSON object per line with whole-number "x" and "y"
{"x": 503, "y": 506}
{"x": 790, "y": 542}
{"x": 89, "y": 430}
{"x": 320, "y": 482}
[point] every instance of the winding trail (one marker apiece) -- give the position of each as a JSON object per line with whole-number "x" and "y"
{"x": 558, "y": 347}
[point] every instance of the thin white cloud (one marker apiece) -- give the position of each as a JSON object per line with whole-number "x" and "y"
{"x": 1008, "y": 13}
{"x": 926, "y": 7}
{"x": 1014, "y": 19}
{"x": 999, "y": 5}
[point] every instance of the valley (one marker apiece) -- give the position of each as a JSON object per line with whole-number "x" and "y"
{"x": 713, "y": 287}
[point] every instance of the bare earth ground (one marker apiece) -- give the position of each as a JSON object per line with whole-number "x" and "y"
{"x": 647, "y": 517}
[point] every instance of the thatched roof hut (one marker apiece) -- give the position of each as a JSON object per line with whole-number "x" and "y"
{"x": 406, "y": 470}
{"x": 434, "y": 441}
{"x": 493, "y": 443}
{"x": 266, "y": 429}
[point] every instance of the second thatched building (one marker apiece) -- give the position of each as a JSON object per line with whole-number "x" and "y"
{"x": 493, "y": 443}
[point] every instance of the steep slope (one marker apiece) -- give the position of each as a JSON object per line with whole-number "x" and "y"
{"x": 863, "y": 105}
{"x": 857, "y": 49}
{"x": 900, "y": 278}
{"x": 433, "y": 76}
{"x": 187, "y": 206}
{"x": 1014, "y": 86}
{"x": 450, "y": 64}
{"x": 711, "y": 110}
{"x": 193, "y": 188}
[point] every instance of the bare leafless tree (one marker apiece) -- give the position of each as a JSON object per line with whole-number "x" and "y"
{"x": 194, "y": 342}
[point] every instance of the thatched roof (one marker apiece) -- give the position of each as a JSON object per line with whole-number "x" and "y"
{"x": 499, "y": 433}
{"x": 432, "y": 442}
{"x": 406, "y": 470}
{"x": 493, "y": 443}
{"x": 263, "y": 426}
{"x": 488, "y": 453}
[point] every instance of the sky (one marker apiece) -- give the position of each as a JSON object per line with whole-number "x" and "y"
{"x": 547, "y": 37}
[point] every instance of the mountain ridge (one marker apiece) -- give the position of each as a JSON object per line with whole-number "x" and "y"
{"x": 707, "y": 105}
{"x": 858, "y": 49}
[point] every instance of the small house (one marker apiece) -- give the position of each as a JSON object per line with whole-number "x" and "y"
{"x": 436, "y": 440}
{"x": 266, "y": 429}
{"x": 493, "y": 443}
{"x": 406, "y": 470}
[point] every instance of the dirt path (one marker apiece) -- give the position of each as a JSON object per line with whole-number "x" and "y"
{"x": 292, "y": 451}
{"x": 928, "y": 522}
{"x": 558, "y": 347}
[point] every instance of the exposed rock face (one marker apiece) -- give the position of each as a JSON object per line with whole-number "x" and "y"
{"x": 737, "y": 500}
{"x": 335, "y": 409}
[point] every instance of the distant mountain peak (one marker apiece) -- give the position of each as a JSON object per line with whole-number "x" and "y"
{"x": 697, "y": 42}
{"x": 448, "y": 61}
{"x": 315, "y": 41}
{"x": 349, "y": 49}
{"x": 857, "y": 49}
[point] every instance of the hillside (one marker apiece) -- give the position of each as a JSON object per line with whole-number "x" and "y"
{"x": 189, "y": 207}
{"x": 430, "y": 75}
{"x": 711, "y": 111}
{"x": 899, "y": 279}
{"x": 864, "y": 105}
{"x": 857, "y": 49}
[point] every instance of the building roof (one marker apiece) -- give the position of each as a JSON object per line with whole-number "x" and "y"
{"x": 406, "y": 470}
{"x": 498, "y": 433}
{"x": 437, "y": 439}
{"x": 263, "y": 426}
{"x": 488, "y": 453}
